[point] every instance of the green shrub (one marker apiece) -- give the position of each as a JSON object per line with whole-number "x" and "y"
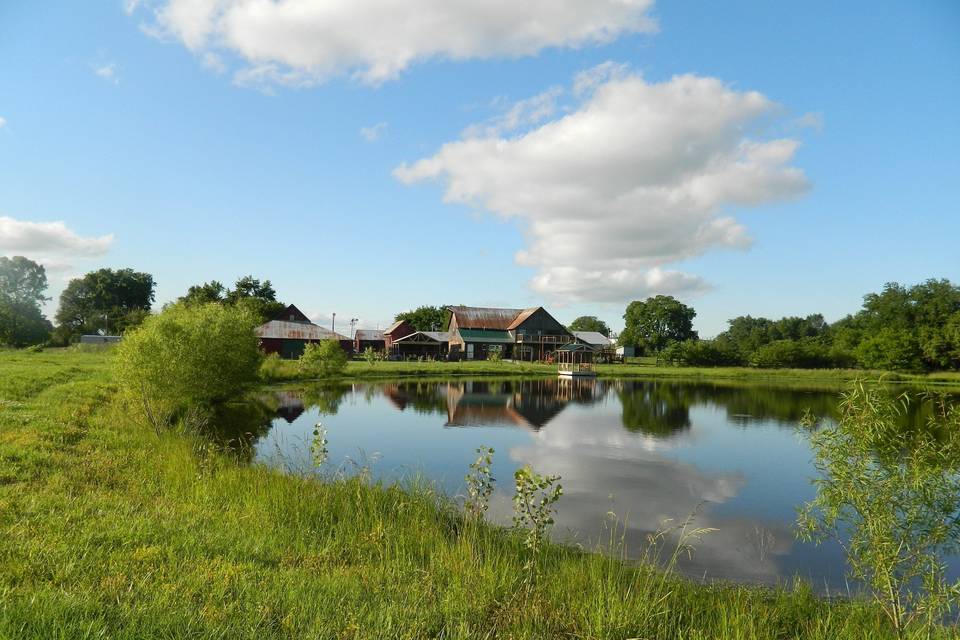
{"x": 272, "y": 368}
{"x": 187, "y": 358}
{"x": 702, "y": 353}
{"x": 323, "y": 359}
{"x": 891, "y": 497}
{"x": 795, "y": 354}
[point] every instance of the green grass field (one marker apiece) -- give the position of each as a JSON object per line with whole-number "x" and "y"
{"x": 109, "y": 531}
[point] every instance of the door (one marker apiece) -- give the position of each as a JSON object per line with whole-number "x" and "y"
{"x": 469, "y": 351}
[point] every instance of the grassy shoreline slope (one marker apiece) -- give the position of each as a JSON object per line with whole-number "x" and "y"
{"x": 107, "y": 530}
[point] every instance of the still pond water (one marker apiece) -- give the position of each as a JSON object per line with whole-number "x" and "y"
{"x": 652, "y": 453}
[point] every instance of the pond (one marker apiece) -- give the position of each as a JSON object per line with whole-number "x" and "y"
{"x": 646, "y": 454}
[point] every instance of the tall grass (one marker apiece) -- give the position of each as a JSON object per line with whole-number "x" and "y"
{"x": 108, "y": 530}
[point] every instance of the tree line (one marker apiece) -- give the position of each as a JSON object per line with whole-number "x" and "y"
{"x": 901, "y": 328}
{"x": 105, "y": 301}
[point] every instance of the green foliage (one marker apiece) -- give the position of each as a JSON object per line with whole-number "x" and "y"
{"x": 107, "y": 299}
{"x": 590, "y": 323}
{"x": 702, "y": 353}
{"x": 323, "y": 359}
{"x": 792, "y": 354}
{"x": 495, "y": 353}
{"x": 187, "y": 357}
{"x": 22, "y": 281}
{"x": 205, "y": 293}
{"x": 480, "y": 483}
{"x": 891, "y": 496}
{"x": 372, "y": 356}
{"x": 22, "y": 286}
{"x": 533, "y": 503}
{"x": 248, "y": 292}
{"x": 425, "y": 318}
{"x": 655, "y": 322}
{"x": 890, "y": 348}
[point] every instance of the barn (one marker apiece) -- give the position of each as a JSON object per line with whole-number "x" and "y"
{"x": 519, "y": 334}
{"x": 290, "y": 331}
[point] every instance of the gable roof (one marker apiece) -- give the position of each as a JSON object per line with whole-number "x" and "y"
{"x": 396, "y": 325}
{"x": 484, "y": 317}
{"x": 523, "y": 316}
{"x": 593, "y": 338}
{"x": 369, "y": 334}
{"x": 292, "y": 310}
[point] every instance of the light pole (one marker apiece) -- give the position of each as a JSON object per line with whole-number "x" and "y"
{"x": 353, "y": 323}
{"x": 333, "y": 326}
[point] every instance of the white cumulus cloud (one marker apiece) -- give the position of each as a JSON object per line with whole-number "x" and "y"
{"x": 52, "y": 243}
{"x": 3, "y": 122}
{"x": 634, "y": 176}
{"x": 301, "y": 42}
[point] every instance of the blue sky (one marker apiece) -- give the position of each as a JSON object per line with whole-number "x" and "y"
{"x": 749, "y": 157}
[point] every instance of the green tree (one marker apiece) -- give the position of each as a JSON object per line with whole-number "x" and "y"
{"x": 655, "y": 322}
{"x": 259, "y": 297}
{"x": 891, "y": 497}
{"x": 323, "y": 359}
{"x": 590, "y": 323}
{"x": 22, "y": 286}
{"x": 22, "y": 280}
{"x": 212, "y": 291}
{"x": 890, "y": 348}
{"x": 112, "y": 300}
{"x": 425, "y": 318}
{"x": 187, "y": 358}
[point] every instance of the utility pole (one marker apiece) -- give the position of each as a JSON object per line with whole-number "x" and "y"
{"x": 333, "y": 325}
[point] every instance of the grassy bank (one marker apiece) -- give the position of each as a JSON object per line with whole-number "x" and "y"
{"x": 288, "y": 371}
{"x": 107, "y": 530}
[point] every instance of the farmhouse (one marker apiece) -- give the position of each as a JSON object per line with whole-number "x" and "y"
{"x": 290, "y": 331}
{"x": 519, "y": 334}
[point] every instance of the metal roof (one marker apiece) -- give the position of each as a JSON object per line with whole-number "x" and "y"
{"x": 484, "y": 317}
{"x": 393, "y": 327}
{"x": 284, "y": 330}
{"x": 485, "y": 335}
{"x": 369, "y": 334}
{"x": 522, "y": 317}
{"x": 593, "y": 338}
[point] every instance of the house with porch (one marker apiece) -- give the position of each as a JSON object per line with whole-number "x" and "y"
{"x": 519, "y": 334}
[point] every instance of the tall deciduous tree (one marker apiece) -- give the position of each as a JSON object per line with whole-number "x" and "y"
{"x": 108, "y": 299}
{"x": 22, "y": 286}
{"x": 259, "y": 297}
{"x": 654, "y": 323}
{"x": 424, "y": 318}
{"x": 590, "y": 323}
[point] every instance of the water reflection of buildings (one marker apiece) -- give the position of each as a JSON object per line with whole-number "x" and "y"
{"x": 290, "y": 405}
{"x": 530, "y": 404}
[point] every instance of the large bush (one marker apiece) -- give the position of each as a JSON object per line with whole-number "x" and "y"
{"x": 186, "y": 358}
{"x": 703, "y": 353}
{"x": 796, "y": 354}
{"x": 323, "y": 359}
